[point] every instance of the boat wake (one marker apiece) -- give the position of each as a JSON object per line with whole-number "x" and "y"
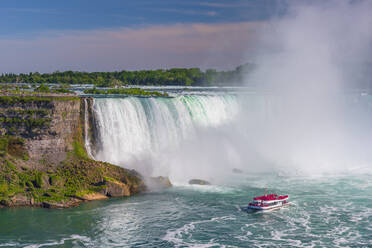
{"x": 182, "y": 236}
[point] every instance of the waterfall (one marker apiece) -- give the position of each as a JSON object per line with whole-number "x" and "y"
{"x": 207, "y": 136}
{"x": 134, "y": 128}
{"x": 86, "y": 129}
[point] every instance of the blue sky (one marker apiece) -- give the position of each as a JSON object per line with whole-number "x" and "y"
{"x": 97, "y": 35}
{"x": 23, "y": 17}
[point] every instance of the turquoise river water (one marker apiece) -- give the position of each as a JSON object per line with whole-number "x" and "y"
{"x": 317, "y": 151}
{"x": 327, "y": 212}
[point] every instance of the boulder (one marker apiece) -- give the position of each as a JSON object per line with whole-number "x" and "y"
{"x": 157, "y": 183}
{"x": 236, "y": 170}
{"x": 18, "y": 200}
{"x": 116, "y": 189}
{"x": 65, "y": 204}
{"x": 93, "y": 197}
{"x": 6, "y": 202}
{"x": 199, "y": 182}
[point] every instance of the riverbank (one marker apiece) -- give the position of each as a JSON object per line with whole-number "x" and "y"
{"x": 74, "y": 181}
{"x": 43, "y": 161}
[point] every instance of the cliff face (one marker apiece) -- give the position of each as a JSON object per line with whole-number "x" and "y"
{"x": 43, "y": 161}
{"x": 57, "y": 139}
{"x": 47, "y": 124}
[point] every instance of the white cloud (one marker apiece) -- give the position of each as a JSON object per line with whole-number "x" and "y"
{"x": 181, "y": 45}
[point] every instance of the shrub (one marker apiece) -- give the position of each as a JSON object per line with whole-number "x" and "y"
{"x": 3, "y": 188}
{"x": 43, "y": 88}
{"x": 55, "y": 180}
{"x": 128, "y": 91}
{"x": 38, "y": 180}
{"x": 79, "y": 150}
{"x": 62, "y": 90}
{"x": 3, "y": 146}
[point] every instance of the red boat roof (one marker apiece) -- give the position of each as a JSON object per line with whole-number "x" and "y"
{"x": 270, "y": 197}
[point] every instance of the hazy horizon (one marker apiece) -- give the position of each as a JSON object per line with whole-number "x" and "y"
{"x": 46, "y": 36}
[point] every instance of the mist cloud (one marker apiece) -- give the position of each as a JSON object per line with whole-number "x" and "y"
{"x": 303, "y": 118}
{"x": 307, "y": 66}
{"x": 313, "y": 42}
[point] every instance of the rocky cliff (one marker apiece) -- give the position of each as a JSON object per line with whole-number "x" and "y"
{"x": 47, "y": 124}
{"x": 43, "y": 161}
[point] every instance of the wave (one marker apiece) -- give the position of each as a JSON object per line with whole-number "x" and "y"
{"x": 182, "y": 236}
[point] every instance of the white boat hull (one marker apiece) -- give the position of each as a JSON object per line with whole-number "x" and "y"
{"x": 257, "y": 208}
{"x": 267, "y": 203}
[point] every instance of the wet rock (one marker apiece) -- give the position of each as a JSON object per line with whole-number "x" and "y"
{"x": 116, "y": 189}
{"x": 17, "y": 201}
{"x": 93, "y": 197}
{"x": 157, "y": 183}
{"x": 238, "y": 171}
{"x": 21, "y": 200}
{"x": 199, "y": 182}
{"x": 5, "y": 202}
{"x": 67, "y": 204}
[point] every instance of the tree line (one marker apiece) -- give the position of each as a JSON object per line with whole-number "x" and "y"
{"x": 174, "y": 76}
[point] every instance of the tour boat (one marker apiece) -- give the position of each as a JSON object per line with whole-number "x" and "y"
{"x": 268, "y": 202}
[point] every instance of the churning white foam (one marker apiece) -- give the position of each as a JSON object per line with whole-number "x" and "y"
{"x": 144, "y": 132}
{"x": 208, "y": 136}
{"x": 182, "y": 236}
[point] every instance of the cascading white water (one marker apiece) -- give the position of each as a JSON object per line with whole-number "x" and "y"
{"x": 207, "y": 136}
{"x": 86, "y": 129}
{"x": 136, "y": 129}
